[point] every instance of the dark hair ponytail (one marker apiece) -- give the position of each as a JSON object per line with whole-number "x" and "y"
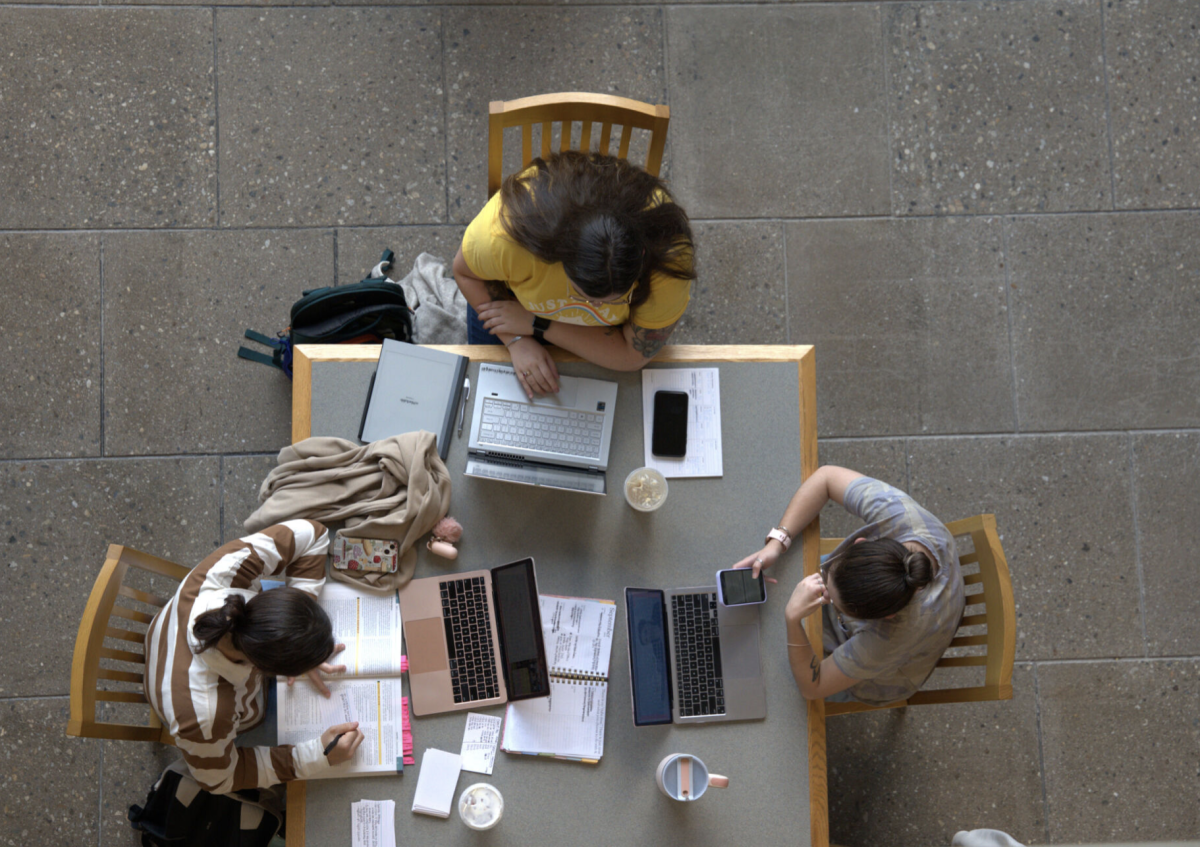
{"x": 611, "y": 224}
{"x": 875, "y": 579}
{"x": 282, "y": 632}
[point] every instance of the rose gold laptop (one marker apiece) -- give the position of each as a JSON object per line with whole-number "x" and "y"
{"x": 474, "y": 639}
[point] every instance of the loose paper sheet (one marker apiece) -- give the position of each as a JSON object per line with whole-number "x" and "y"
{"x": 480, "y": 738}
{"x": 703, "y": 386}
{"x": 436, "y": 783}
{"x": 373, "y": 823}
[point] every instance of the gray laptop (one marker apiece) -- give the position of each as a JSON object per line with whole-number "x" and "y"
{"x": 559, "y": 441}
{"x": 691, "y": 659}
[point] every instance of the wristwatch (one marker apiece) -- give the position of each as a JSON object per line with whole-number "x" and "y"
{"x": 781, "y": 535}
{"x": 540, "y": 325}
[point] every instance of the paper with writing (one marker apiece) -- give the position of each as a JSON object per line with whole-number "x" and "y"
{"x": 480, "y": 737}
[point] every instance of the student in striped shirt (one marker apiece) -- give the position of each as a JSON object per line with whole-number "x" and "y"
{"x": 210, "y": 646}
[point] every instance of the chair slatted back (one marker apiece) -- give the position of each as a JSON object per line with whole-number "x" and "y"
{"x": 569, "y": 109}
{"x": 990, "y": 607}
{"x": 112, "y": 616}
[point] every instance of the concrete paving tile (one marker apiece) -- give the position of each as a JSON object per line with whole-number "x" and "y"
{"x": 130, "y": 768}
{"x": 56, "y": 522}
{"x": 50, "y": 383}
{"x": 778, "y": 112}
{"x": 1120, "y": 750}
{"x": 49, "y": 790}
{"x": 174, "y": 383}
{"x": 1152, "y": 65}
{"x": 516, "y": 51}
{"x": 909, "y": 318}
{"x": 1167, "y": 495}
{"x": 1063, "y": 510}
{"x": 331, "y": 116}
{"x": 997, "y": 107}
{"x": 914, "y": 776}
{"x": 359, "y": 248}
{"x": 881, "y": 458}
{"x": 1104, "y": 328}
{"x": 740, "y": 296}
{"x": 113, "y": 124}
{"x": 241, "y": 479}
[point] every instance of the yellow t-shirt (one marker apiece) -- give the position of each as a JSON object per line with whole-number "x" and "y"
{"x": 545, "y": 290}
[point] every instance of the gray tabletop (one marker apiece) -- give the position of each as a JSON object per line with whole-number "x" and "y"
{"x": 591, "y": 546}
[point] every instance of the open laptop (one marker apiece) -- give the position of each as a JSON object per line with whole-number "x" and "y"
{"x": 559, "y": 441}
{"x": 691, "y": 659}
{"x": 474, "y": 639}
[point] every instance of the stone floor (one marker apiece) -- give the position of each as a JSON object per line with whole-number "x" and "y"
{"x": 983, "y": 214}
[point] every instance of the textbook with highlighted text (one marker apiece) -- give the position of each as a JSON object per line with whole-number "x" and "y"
{"x": 569, "y": 724}
{"x": 369, "y": 692}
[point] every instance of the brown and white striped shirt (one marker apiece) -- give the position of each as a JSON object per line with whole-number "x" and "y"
{"x": 204, "y": 698}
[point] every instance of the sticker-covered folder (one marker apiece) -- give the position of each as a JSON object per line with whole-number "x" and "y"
{"x": 569, "y": 724}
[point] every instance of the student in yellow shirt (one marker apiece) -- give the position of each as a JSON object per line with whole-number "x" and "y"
{"x": 580, "y": 250}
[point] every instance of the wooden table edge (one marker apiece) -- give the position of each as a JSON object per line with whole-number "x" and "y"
{"x": 804, "y": 356}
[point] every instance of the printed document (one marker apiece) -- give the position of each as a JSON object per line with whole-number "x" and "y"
{"x": 703, "y": 387}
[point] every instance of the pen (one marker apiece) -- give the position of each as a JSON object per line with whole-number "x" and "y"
{"x": 333, "y": 743}
{"x": 462, "y": 409}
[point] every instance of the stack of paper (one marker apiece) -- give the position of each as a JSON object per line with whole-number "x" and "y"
{"x": 436, "y": 784}
{"x": 373, "y": 823}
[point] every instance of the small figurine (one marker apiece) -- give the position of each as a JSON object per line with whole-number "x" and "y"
{"x": 446, "y": 533}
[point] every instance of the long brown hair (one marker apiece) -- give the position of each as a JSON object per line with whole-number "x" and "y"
{"x": 283, "y": 632}
{"x": 611, "y": 224}
{"x": 878, "y": 578}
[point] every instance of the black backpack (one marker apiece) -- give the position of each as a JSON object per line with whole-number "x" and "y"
{"x": 179, "y": 813}
{"x": 364, "y": 313}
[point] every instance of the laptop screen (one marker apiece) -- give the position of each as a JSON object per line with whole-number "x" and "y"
{"x": 648, "y": 667}
{"x": 519, "y": 622}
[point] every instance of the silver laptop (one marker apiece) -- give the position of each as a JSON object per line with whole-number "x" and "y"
{"x": 691, "y": 659}
{"x": 559, "y": 441}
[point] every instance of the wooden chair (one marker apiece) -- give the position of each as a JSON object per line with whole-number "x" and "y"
{"x": 104, "y": 618}
{"x": 565, "y": 110}
{"x": 998, "y": 616}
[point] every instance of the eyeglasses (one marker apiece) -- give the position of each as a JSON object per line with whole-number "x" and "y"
{"x": 624, "y": 300}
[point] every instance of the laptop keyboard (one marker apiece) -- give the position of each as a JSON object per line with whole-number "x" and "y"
{"x": 541, "y": 428}
{"x": 700, "y": 689}
{"x": 469, "y": 639}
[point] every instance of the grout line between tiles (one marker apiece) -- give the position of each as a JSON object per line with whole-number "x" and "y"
{"x": 335, "y": 255}
{"x": 1012, "y": 353}
{"x": 907, "y": 466}
{"x": 100, "y": 799}
{"x": 445, "y": 114}
{"x": 1137, "y": 544}
{"x": 1037, "y": 706}
{"x": 887, "y": 112}
{"x": 216, "y": 128}
{"x": 156, "y": 457}
{"x": 787, "y": 300}
{"x": 812, "y": 219}
{"x": 1120, "y": 660}
{"x": 221, "y": 498}
{"x": 1112, "y": 168}
{"x": 103, "y": 398}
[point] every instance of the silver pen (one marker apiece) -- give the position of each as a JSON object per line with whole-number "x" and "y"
{"x": 462, "y": 409}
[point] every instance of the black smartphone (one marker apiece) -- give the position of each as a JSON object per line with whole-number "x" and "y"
{"x": 669, "y": 434}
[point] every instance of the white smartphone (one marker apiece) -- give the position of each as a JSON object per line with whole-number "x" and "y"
{"x": 739, "y": 587}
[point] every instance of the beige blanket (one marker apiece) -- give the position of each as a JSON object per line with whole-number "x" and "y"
{"x": 396, "y": 488}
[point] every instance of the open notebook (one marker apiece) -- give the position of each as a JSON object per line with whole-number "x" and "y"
{"x": 569, "y": 724}
{"x": 369, "y": 692}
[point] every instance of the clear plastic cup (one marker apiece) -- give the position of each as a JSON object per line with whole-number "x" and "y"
{"x": 645, "y": 489}
{"x": 480, "y": 806}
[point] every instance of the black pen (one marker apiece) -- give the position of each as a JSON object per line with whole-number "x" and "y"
{"x": 333, "y": 743}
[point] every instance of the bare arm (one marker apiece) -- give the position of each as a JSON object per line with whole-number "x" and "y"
{"x": 628, "y": 347}
{"x": 827, "y": 483}
{"x": 816, "y": 680}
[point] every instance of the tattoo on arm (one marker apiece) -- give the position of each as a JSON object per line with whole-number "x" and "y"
{"x": 649, "y": 341}
{"x": 816, "y": 669}
{"x": 498, "y": 290}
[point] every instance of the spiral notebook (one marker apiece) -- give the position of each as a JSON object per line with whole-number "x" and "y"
{"x": 569, "y": 724}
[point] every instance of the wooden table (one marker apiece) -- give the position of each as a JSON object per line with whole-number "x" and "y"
{"x": 582, "y": 545}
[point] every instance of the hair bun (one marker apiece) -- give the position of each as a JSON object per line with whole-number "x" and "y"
{"x": 234, "y": 609}
{"x": 918, "y": 570}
